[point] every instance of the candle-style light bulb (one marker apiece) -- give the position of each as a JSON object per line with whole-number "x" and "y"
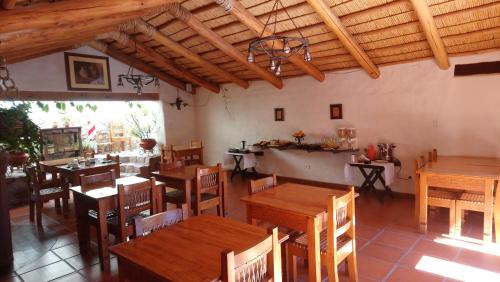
{"x": 286, "y": 47}
{"x": 251, "y": 57}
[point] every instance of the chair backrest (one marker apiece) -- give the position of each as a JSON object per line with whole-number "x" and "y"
{"x": 209, "y": 180}
{"x": 115, "y": 158}
{"x": 134, "y": 199}
{"x": 188, "y": 155}
{"x": 166, "y": 154}
{"x": 102, "y": 136}
{"x": 33, "y": 174}
{"x": 154, "y": 163}
{"x": 252, "y": 264}
{"x": 171, "y": 165}
{"x": 144, "y": 226}
{"x": 262, "y": 184}
{"x": 196, "y": 144}
{"x": 107, "y": 179}
{"x": 341, "y": 222}
{"x": 117, "y": 130}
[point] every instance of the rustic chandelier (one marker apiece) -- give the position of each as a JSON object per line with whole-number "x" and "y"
{"x": 138, "y": 81}
{"x": 278, "y": 48}
{"x": 7, "y": 84}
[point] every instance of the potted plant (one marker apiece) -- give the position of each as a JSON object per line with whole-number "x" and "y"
{"x": 19, "y": 135}
{"x": 88, "y": 147}
{"x": 143, "y": 129}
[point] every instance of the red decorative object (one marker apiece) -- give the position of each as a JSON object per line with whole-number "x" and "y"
{"x": 147, "y": 144}
{"x": 17, "y": 159}
{"x": 372, "y": 153}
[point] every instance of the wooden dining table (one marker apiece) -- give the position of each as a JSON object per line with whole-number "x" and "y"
{"x": 187, "y": 251}
{"x": 471, "y": 174}
{"x": 184, "y": 178}
{"x": 299, "y": 207}
{"x": 101, "y": 200}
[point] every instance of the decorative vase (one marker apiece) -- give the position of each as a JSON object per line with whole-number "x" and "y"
{"x": 17, "y": 159}
{"x": 147, "y": 144}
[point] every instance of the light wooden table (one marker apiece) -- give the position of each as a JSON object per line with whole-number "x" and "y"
{"x": 473, "y": 174}
{"x": 299, "y": 207}
{"x": 101, "y": 200}
{"x": 183, "y": 178}
{"x": 187, "y": 251}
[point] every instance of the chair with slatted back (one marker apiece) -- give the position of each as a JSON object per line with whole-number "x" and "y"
{"x": 196, "y": 144}
{"x": 337, "y": 242}
{"x": 437, "y": 197}
{"x": 252, "y": 264}
{"x": 208, "y": 189}
{"x": 93, "y": 181}
{"x": 262, "y": 184}
{"x": 189, "y": 155}
{"x": 41, "y": 192}
{"x": 144, "y": 226}
{"x": 166, "y": 154}
{"x": 133, "y": 200}
{"x": 470, "y": 201}
{"x": 174, "y": 196}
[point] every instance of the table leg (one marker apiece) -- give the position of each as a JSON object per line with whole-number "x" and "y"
{"x": 102, "y": 235}
{"x": 250, "y": 219}
{"x": 187, "y": 195}
{"x": 496, "y": 215}
{"x": 422, "y": 222}
{"x": 162, "y": 206}
{"x": 65, "y": 200}
{"x": 82, "y": 226}
{"x": 224, "y": 193}
{"x": 488, "y": 211}
{"x": 314, "y": 254}
{"x": 237, "y": 167}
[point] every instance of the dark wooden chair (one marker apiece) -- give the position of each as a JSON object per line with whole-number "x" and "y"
{"x": 41, "y": 191}
{"x": 115, "y": 159}
{"x": 93, "y": 181}
{"x": 337, "y": 242}
{"x": 144, "y": 226}
{"x": 175, "y": 196}
{"x": 190, "y": 156}
{"x": 253, "y": 264}
{"x": 133, "y": 200}
{"x": 262, "y": 184}
{"x": 208, "y": 189}
{"x": 153, "y": 165}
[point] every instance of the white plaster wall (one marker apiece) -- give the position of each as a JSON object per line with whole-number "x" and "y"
{"x": 48, "y": 74}
{"x": 416, "y": 105}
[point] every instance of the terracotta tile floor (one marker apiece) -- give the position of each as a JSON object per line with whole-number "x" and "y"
{"x": 389, "y": 248}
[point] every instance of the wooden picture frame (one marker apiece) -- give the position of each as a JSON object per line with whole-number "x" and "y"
{"x": 336, "y": 111}
{"x": 279, "y": 114}
{"x": 87, "y": 72}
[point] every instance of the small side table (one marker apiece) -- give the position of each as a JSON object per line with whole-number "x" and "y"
{"x": 240, "y": 167}
{"x": 376, "y": 171}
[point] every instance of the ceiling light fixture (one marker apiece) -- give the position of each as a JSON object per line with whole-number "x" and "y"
{"x": 278, "y": 52}
{"x": 179, "y": 103}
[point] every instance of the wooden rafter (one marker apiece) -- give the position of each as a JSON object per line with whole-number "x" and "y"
{"x": 138, "y": 64}
{"x": 39, "y": 52}
{"x": 431, "y": 33}
{"x": 152, "y": 32}
{"x": 185, "y": 16}
{"x": 61, "y": 13}
{"x": 124, "y": 39}
{"x": 334, "y": 23}
{"x": 8, "y": 4}
{"x": 245, "y": 17}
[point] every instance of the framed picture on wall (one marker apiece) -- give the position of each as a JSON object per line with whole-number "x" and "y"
{"x": 279, "y": 114}
{"x": 336, "y": 111}
{"x": 86, "y": 72}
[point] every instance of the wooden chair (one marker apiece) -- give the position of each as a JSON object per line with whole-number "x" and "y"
{"x": 437, "y": 197}
{"x": 115, "y": 158}
{"x": 133, "y": 200}
{"x": 208, "y": 191}
{"x": 118, "y": 136}
{"x": 166, "y": 154}
{"x": 190, "y": 156}
{"x": 103, "y": 141}
{"x": 338, "y": 241}
{"x": 144, "y": 226}
{"x": 261, "y": 262}
{"x": 153, "y": 165}
{"x": 175, "y": 196}
{"x": 89, "y": 182}
{"x": 196, "y": 144}
{"x": 40, "y": 192}
{"x": 262, "y": 184}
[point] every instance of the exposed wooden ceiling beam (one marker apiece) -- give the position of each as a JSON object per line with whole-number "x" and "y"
{"x": 124, "y": 39}
{"x": 245, "y": 17}
{"x": 38, "y": 52}
{"x": 184, "y": 15}
{"x": 431, "y": 33}
{"x": 152, "y": 32}
{"x": 334, "y": 23}
{"x": 138, "y": 64}
{"x": 61, "y": 13}
{"x": 8, "y": 4}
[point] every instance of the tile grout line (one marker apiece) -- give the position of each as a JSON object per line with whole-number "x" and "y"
{"x": 372, "y": 239}
{"x": 397, "y": 263}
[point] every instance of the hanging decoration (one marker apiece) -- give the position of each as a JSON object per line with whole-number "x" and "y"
{"x": 7, "y": 84}
{"x": 179, "y": 103}
{"x": 277, "y": 47}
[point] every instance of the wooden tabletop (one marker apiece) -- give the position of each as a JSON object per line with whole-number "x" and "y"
{"x": 57, "y": 162}
{"x": 190, "y": 250}
{"x": 181, "y": 173}
{"x": 104, "y": 192}
{"x": 295, "y": 198}
{"x": 84, "y": 167}
{"x": 464, "y": 166}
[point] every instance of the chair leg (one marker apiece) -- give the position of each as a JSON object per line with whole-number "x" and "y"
{"x": 292, "y": 267}
{"x": 219, "y": 209}
{"x": 32, "y": 211}
{"x": 39, "y": 207}
{"x": 65, "y": 205}
{"x": 352, "y": 267}
{"x": 57, "y": 204}
{"x": 453, "y": 221}
{"x": 458, "y": 219}
{"x": 333, "y": 270}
